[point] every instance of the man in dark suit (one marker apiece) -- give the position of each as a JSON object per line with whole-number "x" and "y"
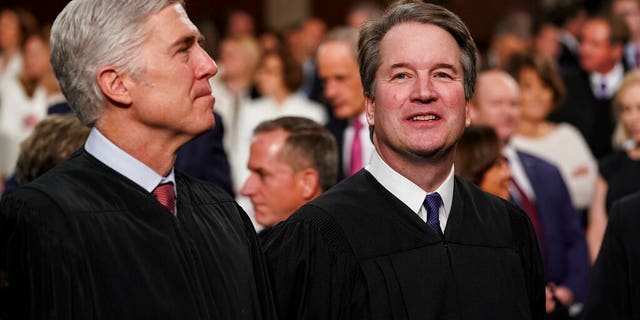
{"x": 587, "y": 104}
{"x": 338, "y": 69}
{"x": 614, "y": 290}
{"x": 204, "y": 158}
{"x": 114, "y": 232}
{"x": 404, "y": 238}
{"x": 538, "y": 188}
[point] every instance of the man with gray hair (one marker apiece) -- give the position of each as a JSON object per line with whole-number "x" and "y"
{"x": 405, "y": 238}
{"x": 113, "y": 232}
{"x": 337, "y": 59}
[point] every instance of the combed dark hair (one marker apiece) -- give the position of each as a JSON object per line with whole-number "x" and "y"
{"x": 54, "y": 139}
{"x": 404, "y": 11}
{"x": 544, "y": 67}
{"x": 477, "y": 151}
{"x": 309, "y": 145}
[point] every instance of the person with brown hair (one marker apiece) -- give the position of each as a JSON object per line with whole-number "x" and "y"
{"x": 541, "y": 92}
{"x": 278, "y": 78}
{"x": 479, "y": 159}
{"x": 292, "y": 161}
{"x": 53, "y": 140}
{"x": 405, "y": 238}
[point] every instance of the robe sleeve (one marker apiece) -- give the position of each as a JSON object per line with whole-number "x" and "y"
{"x": 260, "y": 270}
{"x": 531, "y": 263}
{"x": 610, "y": 292}
{"x": 314, "y": 273}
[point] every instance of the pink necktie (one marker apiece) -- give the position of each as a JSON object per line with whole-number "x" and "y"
{"x": 356, "y": 149}
{"x": 165, "y": 195}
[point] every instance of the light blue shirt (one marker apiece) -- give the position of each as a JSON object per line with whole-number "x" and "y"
{"x": 410, "y": 193}
{"x": 117, "y": 159}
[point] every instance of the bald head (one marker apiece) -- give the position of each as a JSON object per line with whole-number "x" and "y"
{"x": 496, "y": 103}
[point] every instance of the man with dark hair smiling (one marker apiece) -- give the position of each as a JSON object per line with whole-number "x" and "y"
{"x": 405, "y": 238}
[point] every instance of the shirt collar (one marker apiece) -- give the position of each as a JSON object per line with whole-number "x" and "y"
{"x": 117, "y": 159}
{"x": 404, "y": 189}
{"x": 612, "y": 80}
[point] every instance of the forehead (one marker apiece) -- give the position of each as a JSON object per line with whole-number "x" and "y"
{"x": 595, "y": 29}
{"x": 496, "y": 86}
{"x": 269, "y": 142}
{"x": 170, "y": 23}
{"x": 419, "y": 45}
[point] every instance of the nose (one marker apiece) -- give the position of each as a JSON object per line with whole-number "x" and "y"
{"x": 423, "y": 90}
{"x": 329, "y": 89}
{"x": 206, "y": 67}
{"x": 249, "y": 187}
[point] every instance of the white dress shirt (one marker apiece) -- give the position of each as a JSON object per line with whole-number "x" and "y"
{"x": 117, "y": 159}
{"x": 517, "y": 171}
{"x": 410, "y": 193}
{"x": 612, "y": 81}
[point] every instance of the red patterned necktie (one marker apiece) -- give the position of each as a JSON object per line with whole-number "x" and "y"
{"x": 165, "y": 195}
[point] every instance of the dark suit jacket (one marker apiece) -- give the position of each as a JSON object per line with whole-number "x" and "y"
{"x": 614, "y": 289}
{"x": 592, "y": 116}
{"x": 204, "y": 158}
{"x": 337, "y": 128}
{"x": 565, "y": 248}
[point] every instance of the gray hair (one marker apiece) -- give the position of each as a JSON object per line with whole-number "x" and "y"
{"x": 405, "y": 11}
{"x": 346, "y": 35}
{"x": 90, "y": 34}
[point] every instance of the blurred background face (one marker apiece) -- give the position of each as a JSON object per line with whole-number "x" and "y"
{"x": 536, "y": 98}
{"x": 233, "y": 60}
{"x": 36, "y": 58}
{"x": 629, "y": 10}
{"x": 338, "y": 69}
{"x": 9, "y": 29}
{"x": 270, "y": 75}
{"x": 496, "y": 179}
{"x": 496, "y": 104}
{"x": 273, "y": 186}
{"x": 547, "y": 41}
{"x": 629, "y": 113}
{"x": 596, "y": 53}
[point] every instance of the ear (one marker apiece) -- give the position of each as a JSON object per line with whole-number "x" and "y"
{"x": 308, "y": 182}
{"x": 369, "y": 109}
{"x": 467, "y": 114}
{"x": 112, "y": 84}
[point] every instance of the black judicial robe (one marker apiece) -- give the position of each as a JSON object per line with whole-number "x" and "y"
{"x": 614, "y": 291}
{"x": 84, "y": 242}
{"x": 357, "y": 252}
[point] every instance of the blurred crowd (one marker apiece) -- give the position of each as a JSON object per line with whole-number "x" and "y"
{"x": 555, "y": 118}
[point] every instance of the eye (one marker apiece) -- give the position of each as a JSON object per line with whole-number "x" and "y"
{"x": 443, "y": 75}
{"x": 400, "y": 76}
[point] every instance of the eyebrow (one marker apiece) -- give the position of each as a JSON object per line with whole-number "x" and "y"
{"x": 409, "y": 66}
{"x": 188, "y": 40}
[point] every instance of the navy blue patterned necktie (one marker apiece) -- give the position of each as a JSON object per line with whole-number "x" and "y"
{"x": 432, "y": 204}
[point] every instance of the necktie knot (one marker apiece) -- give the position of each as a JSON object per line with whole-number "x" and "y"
{"x": 166, "y": 196}
{"x": 432, "y": 204}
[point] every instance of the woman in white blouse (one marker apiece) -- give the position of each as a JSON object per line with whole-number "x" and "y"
{"x": 541, "y": 90}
